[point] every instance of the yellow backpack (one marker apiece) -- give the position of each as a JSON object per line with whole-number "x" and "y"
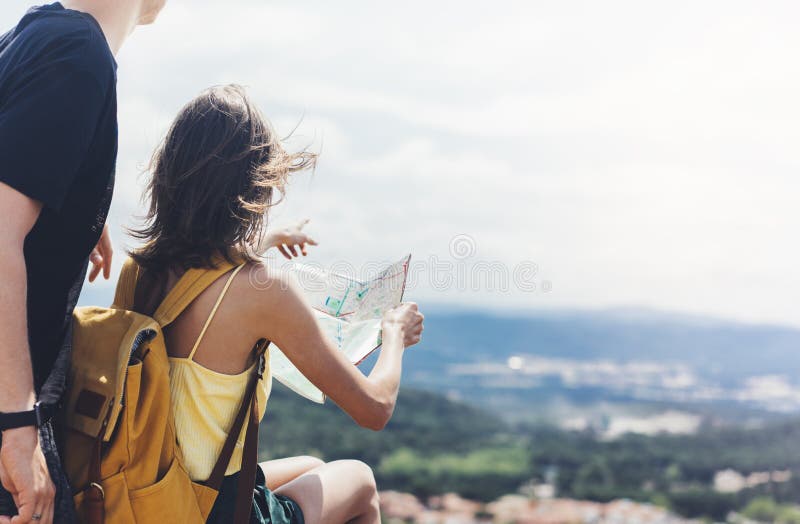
{"x": 121, "y": 455}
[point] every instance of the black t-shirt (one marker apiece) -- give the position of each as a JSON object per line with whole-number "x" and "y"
{"x": 58, "y": 145}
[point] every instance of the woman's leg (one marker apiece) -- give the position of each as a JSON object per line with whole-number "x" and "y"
{"x": 280, "y": 471}
{"x": 336, "y": 492}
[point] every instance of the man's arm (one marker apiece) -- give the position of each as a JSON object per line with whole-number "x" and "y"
{"x": 23, "y": 470}
{"x": 16, "y": 373}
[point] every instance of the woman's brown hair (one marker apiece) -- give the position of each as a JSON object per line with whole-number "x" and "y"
{"x": 212, "y": 182}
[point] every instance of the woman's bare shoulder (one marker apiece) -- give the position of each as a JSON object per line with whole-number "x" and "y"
{"x": 261, "y": 287}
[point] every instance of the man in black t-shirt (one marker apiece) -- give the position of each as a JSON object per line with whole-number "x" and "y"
{"x": 58, "y": 148}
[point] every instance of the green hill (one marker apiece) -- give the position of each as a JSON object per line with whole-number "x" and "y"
{"x": 433, "y": 445}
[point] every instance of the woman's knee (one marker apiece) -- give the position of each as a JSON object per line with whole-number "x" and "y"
{"x": 360, "y": 474}
{"x": 282, "y": 471}
{"x": 365, "y": 489}
{"x": 310, "y": 462}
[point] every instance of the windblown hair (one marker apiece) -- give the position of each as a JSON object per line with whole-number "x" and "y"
{"x": 213, "y": 179}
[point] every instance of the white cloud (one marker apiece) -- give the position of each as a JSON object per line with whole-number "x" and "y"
{"x": 640, "y": 153}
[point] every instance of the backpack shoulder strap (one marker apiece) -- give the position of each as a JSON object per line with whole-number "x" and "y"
{"x": 247, "y": 416}
{"x": 126, "y": 285}
{"x": 190, "y": 285}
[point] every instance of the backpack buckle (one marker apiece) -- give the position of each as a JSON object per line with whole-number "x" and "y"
{"x": 99, "y": 489}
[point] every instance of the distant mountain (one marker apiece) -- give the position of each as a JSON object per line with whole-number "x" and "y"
{"x": 617, "y": 356}
{"x": 729, "y": 350}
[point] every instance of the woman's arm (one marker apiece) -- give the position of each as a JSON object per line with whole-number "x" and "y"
{"x": 401, "y": 327}
{"x": 288, "y": 321}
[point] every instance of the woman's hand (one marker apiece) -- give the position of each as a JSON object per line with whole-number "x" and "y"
{"x": 404, "y": 320}
{"x": 288, "y": 240}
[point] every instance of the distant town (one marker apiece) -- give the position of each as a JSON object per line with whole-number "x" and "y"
{"x": 538, "y": 504}
{"x": 399, "y": 508}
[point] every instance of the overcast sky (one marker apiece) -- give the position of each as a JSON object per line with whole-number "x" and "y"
{"x": 639, "y": 153}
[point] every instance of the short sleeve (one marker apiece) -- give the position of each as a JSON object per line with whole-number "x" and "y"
{"x": 47, "y": 124}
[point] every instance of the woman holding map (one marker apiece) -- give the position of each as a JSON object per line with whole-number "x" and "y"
{"x": 212, "y": 184}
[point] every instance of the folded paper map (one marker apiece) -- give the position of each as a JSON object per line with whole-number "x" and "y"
{"x": 349, "y": 311}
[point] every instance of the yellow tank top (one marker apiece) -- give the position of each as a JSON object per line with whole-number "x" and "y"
{"x": 205, "y": 402}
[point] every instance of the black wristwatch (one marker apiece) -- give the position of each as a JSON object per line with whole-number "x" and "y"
{"x": 38, "y": 416}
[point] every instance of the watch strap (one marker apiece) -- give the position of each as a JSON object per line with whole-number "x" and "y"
{"x": 38, "y": 416}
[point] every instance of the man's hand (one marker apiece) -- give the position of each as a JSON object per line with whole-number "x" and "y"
{"x": 288, "y": 240}
{"x": 101, "y": 257}
{"x": 24, "y": 474}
